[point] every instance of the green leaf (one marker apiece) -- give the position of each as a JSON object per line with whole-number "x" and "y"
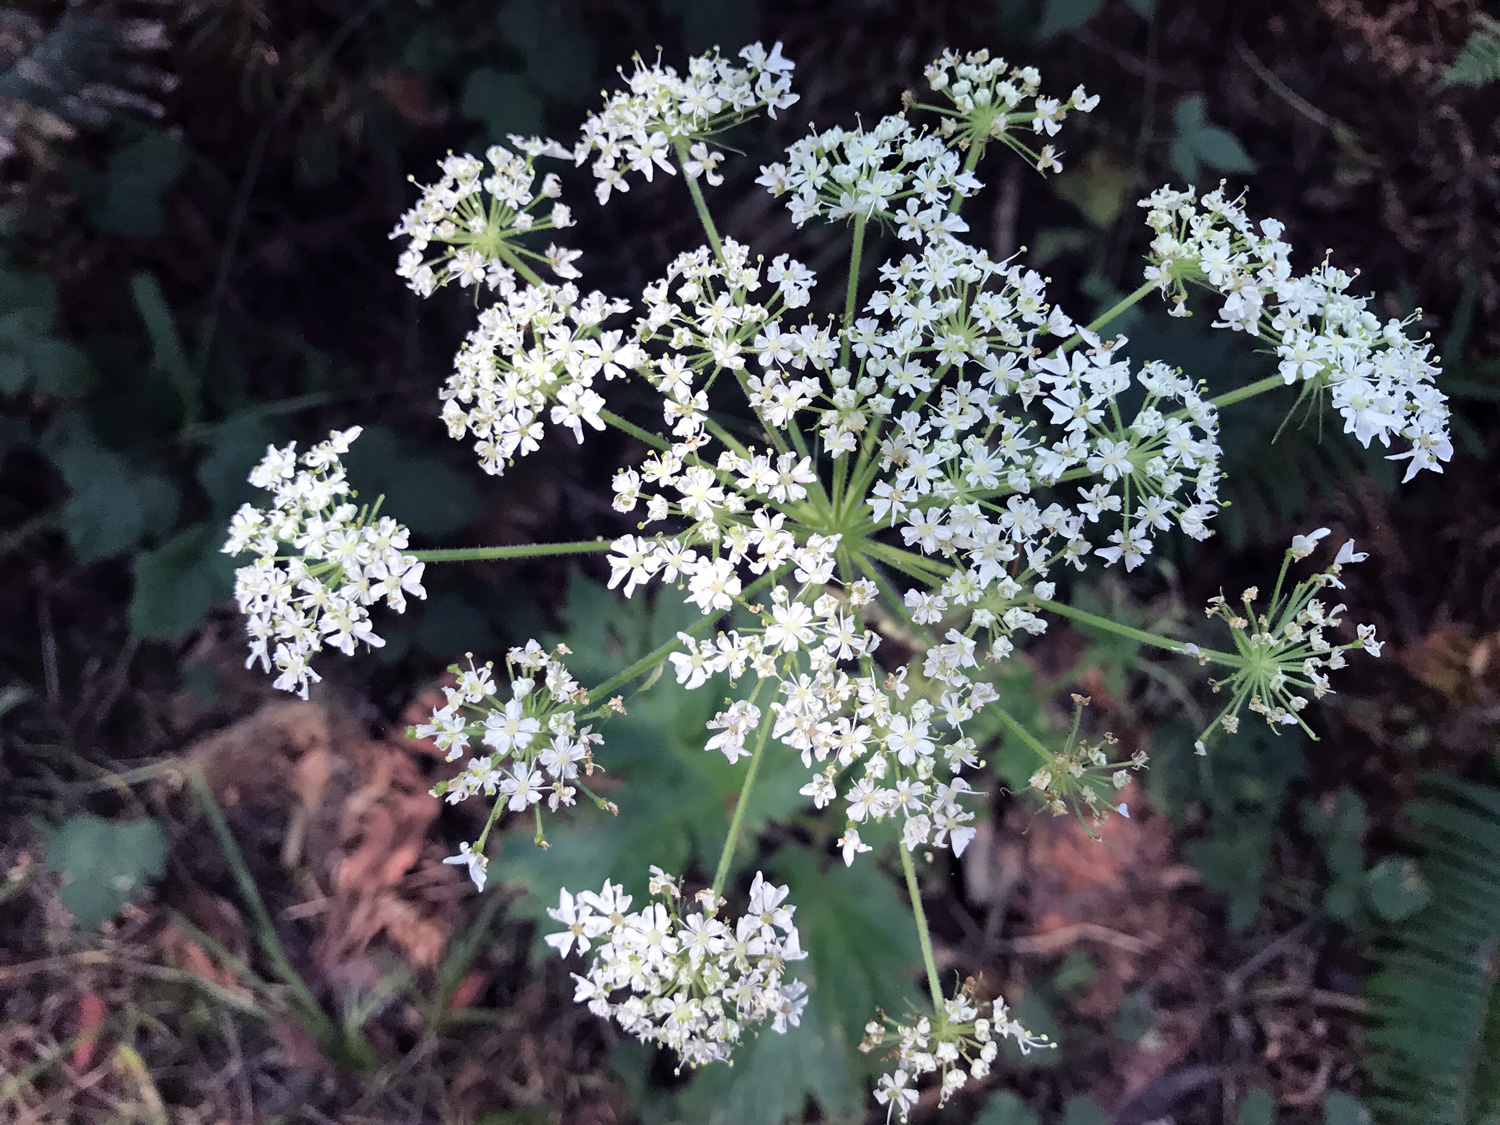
{"x": 113, "y": 506}
{"x": 1188, "y": 116}
{"x": 420, "y": 490}
{"x": 1084, "y": 1111}
{"x": 179, "y": 582}
{"x": 858, "y": 933}
{"x": 772, "y": 1079}
{"x": 31, "y": 358}
{"x": 103, "y": 863}
{"x": 1345, "y": 1109}
{"x": 1219, "y": 149}
{"x": 1098, "y": 188}
{"x": 135, "y": 179}
{"x": 1396, "y": 890}
{"x": 1199, "y": 143}
{"x": 1005, "y": 1108}
{"x": 236, "y": 446}
{"x": 1059, "y": 16}
{"x": 505, "y": 103}
{"x": 1257, "y": 1108}
{"x": 1478, "y": 63}
{"x": 168, "y": 355}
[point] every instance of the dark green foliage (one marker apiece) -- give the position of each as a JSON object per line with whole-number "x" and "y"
{"x": 103, "y": 864}
{"x": 1434, "y": 1045}
{"x": 114, "y": 504}
{"x": 1239, "y": 786}
{"x": 33, "y": 358}
{"x": 1257, "y": 1108}
{"x": 1478, "y": 63}
{"x": 1200, "y": 145}
{"x": 1005, "y": 1108}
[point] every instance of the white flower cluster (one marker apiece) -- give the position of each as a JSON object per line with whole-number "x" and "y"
{"x": 882, "y": 755}
{"x": 959, "y": 1043}
{"x": 534, "y": 748}
{"x": 953, "y": 326}
{"x": 1284, "y": 656}
{"x": 986, "y": 100}
{"x": 538, "y": 346}
{"x": 322, "y": 560}
{"x": 918, "y": 472}
{"x": 475, "y": 218}
{"x": 894, "y": 173}
{"x": 675, "y": 973}
{"x": 1378, "y": 378}
{"x": 639, "y": 128}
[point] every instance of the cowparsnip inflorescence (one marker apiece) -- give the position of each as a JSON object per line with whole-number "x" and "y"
{"x": 917, "y": 477}
{"x": 679, "y": 974}
{"x": 322, "y": 561}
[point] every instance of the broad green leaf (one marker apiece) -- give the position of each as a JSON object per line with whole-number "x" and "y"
{"x": 1059, "y": 16}
{"x": 771, "y": 1081}
{"x": 505, "y": 103}
{"x": 103, "y": 863}
{"x": 179, "y": 582}
{"x": 1184, "y": 159}
{"x": 1345, "y": 1109}
{"x": 1396, "y": 890}
{"x": 1084, "y": 1111}
{"x": 1097, "y": 187}
{"x": 168, "y": 355}
{"x": 1006, "y": 1108}
{"x": 113, "y": 506}
{"x": 1257, "y": 1108}
{"x": 235, "y": 447}
{"x": 859, "y": 935}
{"x": 420, "y": 490}
{"x": 1219, "y": 149}
{"x": 128, "y": 202}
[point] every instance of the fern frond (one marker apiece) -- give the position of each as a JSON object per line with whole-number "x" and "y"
{"x": 1478, "y": 63}
{"x": 1433, "y": 1052}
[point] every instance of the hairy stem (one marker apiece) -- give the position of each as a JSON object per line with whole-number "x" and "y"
{"x": 518, "y": 551}
{"x": 852, "y": 292}
{"x": 762, "y": 737}
{"x": 914, "y": 892}
{"x": 1154, "y": 639}
{"x": 657, "y": 655}
{"x": 513, "y": 260}
{"x": 654, "y": 440}
{"x": 681, "y": 145}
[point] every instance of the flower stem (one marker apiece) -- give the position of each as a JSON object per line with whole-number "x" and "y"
{"x": 914, "y": 892}
{"x": 513, "y": 260}
{"x": 1083, "y": 616}
{"x": 657, "y": 655}
{"x": 852, "y": 292}
{"x": 518, "y": 551}
{"x": 699, "y": 202}
{"x": 1250, "y": 390}
{"x": 653, "y": 440}
{"x": 762, "y": 737}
